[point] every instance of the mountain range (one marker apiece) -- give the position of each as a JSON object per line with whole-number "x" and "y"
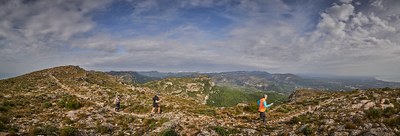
{"x": 283, "y": 83}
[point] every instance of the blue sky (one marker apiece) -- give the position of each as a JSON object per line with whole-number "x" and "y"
{"x": 342, "y": 37}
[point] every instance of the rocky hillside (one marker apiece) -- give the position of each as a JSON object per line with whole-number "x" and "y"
{"x": 68, "y": 100}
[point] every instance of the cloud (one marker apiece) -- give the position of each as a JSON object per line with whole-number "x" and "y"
{"x": 209, "y": 35}
{"x": 31, "y": 30}
{"x": 352, "y": 41}
{"x": 346, "y": 1}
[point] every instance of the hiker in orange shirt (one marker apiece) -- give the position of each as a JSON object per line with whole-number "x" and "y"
{"x": 262, "y": 103}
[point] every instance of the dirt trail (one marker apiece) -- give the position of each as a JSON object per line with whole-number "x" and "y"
{"x": 308, "y": 109}
{"x": 72, "y": 92}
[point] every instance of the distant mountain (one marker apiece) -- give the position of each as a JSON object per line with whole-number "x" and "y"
{"x": 284, "y": 83}
{"x": 161, "y": 75}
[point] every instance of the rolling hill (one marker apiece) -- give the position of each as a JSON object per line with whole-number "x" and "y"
{"x": 69, "y": 100}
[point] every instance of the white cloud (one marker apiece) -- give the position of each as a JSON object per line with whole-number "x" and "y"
{"x": 32, "y": 33}
{"x": 263, "y": 35}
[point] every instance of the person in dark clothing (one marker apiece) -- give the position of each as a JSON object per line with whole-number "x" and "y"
{"x": 156, "y": 102}
{"x": 117, "y": 103}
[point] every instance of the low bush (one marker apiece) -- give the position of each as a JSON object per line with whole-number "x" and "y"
{"x": 373, "y": 113}
{"x": 308, "y": 131}
{"x": 103, "y": 129}
{"x": 138, "y": 109}
{"x": 46, "y": 105}
{"x": 70, "y": 103}
{"x": 3, "y": 126}
{"x": 394, "y": 122}
{"x": 4, "y": 108}
{"x": 68, "y": 131}
{"x": 305, "y": 118}
{"x": 389, "y": 111}
{"x": 4, "y": 120}
{"x": 283, "y": 110}
{"x": 169, "y": 132}
{"x": 225, "y": 132}
{"x": 46, "y": 130}
{"x": 252, "y": 107}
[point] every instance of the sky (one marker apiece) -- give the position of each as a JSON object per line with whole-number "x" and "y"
{"x": 334, "y": 37}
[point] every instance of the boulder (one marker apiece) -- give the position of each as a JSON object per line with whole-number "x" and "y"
{"x": 369, "y": 105}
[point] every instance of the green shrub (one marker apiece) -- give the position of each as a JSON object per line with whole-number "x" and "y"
{"x": 225, "y": 132}
{"x": 283, "y": 110}
{"x": 373, "y": 113}
{"x": 103, "y": 129}
{"x": 252, "y": 107}
{"x": 70, "y": 103}
{"x": 46, "y": 130}
{"x": 305, "y": 118}
{"x": 150, "y": 124}
{"x": 227, "y": 96}
{"x": 4, "y": 118}
{"x": 68, "y": 121}
{"x": 389, "y": 111}
{"x": 50, "y": 130}
{"x": 169, "y": 132}
{"x": 394, "y": 122}
{"x": 138, "y": 109}
{"x": 357, "y": 120}
{"x": 308, "y": 131}
{"x": 3, "y": 126}
{"x": 68, "y": 131}
{"x": 4, "y": 108}
{"x": 33, "y": 131}
{"x": 46, "y": 105}
{"x": 221, "y": 131}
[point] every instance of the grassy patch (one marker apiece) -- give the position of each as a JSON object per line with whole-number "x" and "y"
{"x": 308, "y": 131}
{"x": 46, "y": 130}
{"x": 138, "y": 109}
{"x": 4, "y": 120}
{"x": 394, "y": 122}
{"x": 169, "y": 132}
{"x": 103, "y": 129}
{"x": 284, "y": 109}
{"x": 389, "y": 111}
{"x": 208, "y": 112}
{"x": 225, "y": 132}
{"x": 373, "y": 113}
{"x": 305, "y": 118}
{"x": 225, "y": 96}
{"x": 70, "y": 102}
{"x": 46, "y": 105}
{"x": 68, "y": 131}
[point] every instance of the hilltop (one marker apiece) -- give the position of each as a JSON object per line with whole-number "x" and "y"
{"x": 69, "y": 100}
